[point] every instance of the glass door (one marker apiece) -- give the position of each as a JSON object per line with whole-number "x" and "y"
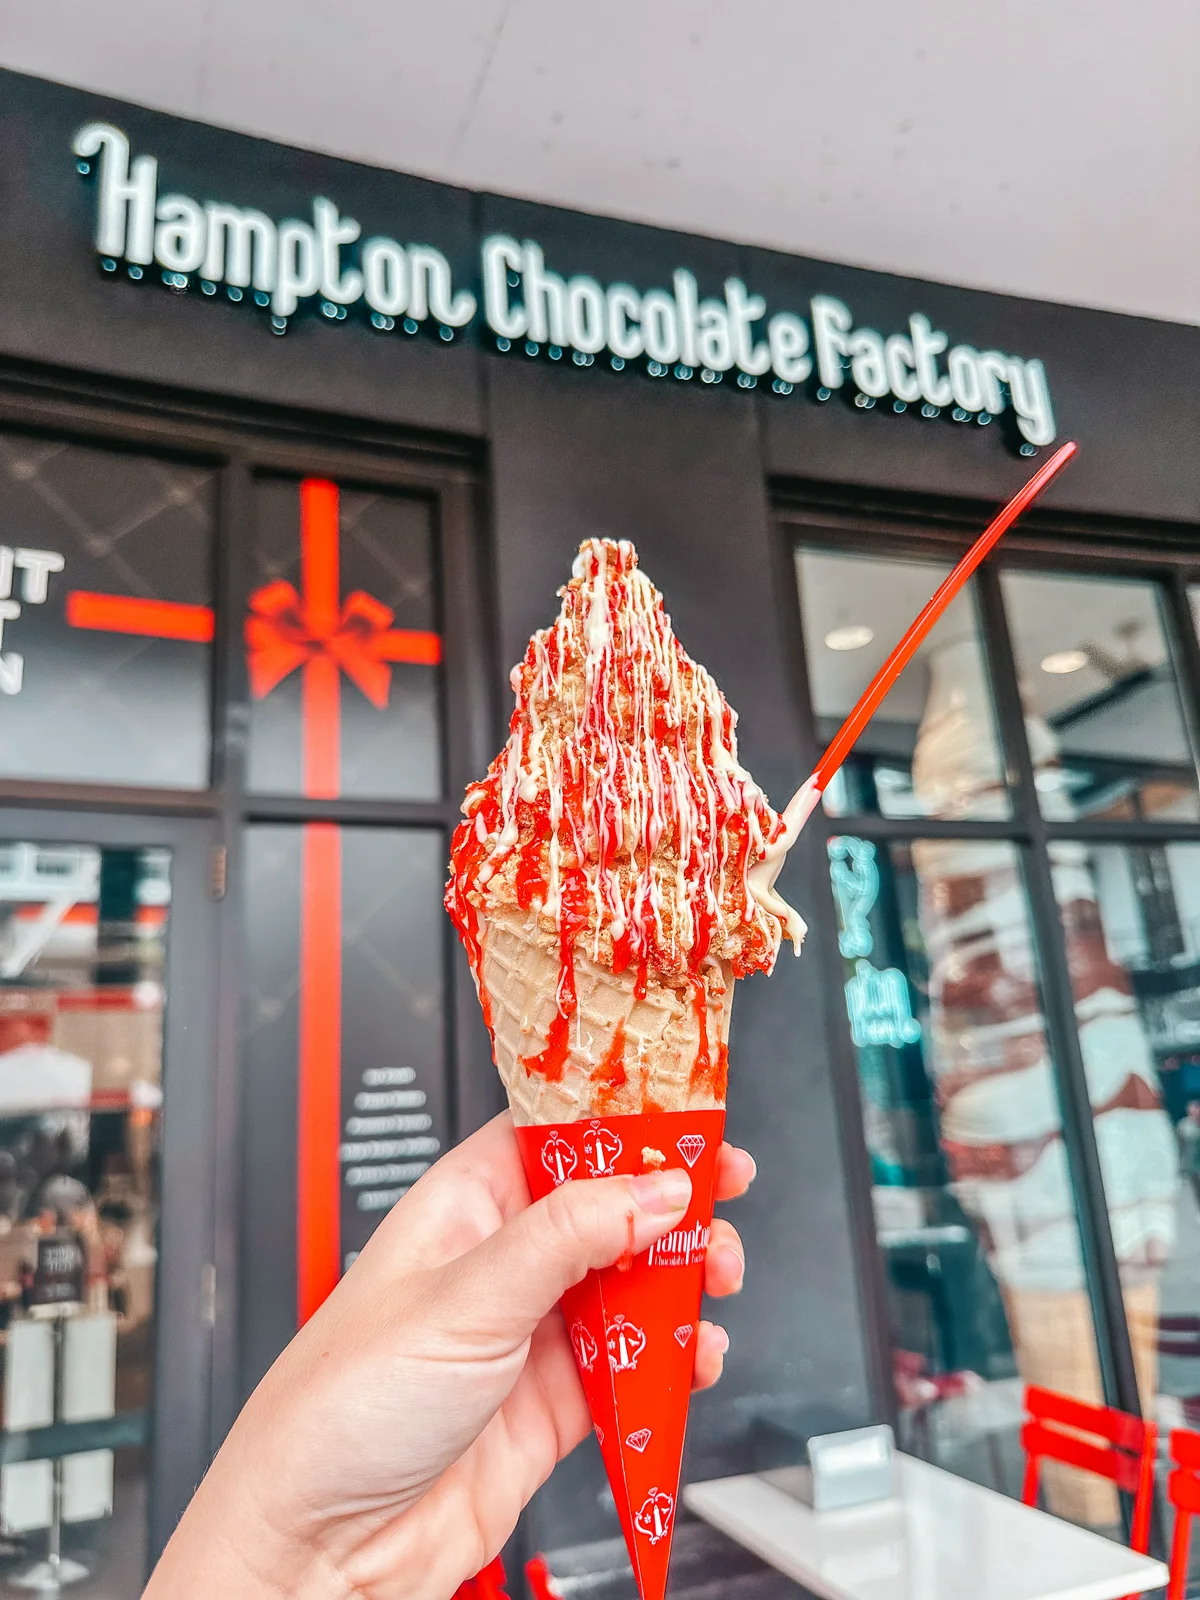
{"x": 106, "y": 996}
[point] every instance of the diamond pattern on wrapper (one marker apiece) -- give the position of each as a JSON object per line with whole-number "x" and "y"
{"x": 690, "y": 1146}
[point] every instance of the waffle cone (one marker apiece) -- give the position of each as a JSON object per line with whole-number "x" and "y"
{"x": 661, "y": 1031}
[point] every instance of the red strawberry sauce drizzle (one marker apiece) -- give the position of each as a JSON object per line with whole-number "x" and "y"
{"x": 625, "y": 812}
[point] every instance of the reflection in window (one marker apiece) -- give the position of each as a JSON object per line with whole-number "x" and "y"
{"x": 973, "y": 1206}
{"x": 1105, "y": 725}
{"x": 1137, "y": 1000}
{"x": 82, "y": 947}
{"x": 931, "y": 749}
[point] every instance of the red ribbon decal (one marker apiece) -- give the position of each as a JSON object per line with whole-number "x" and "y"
{"x": 283, "y": 634}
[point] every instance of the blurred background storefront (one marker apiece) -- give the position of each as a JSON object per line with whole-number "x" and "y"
{"x": 266, "y": 556}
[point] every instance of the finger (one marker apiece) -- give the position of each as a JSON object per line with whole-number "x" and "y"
{"x": 492, "y": 1154}
{"x": 463, "y": 1198}
{"x": 510, "y": 1281}
{"x": 711, "y": 1344}
{"x": 724, "y": 1260}
{"x": 736, "y": 1171}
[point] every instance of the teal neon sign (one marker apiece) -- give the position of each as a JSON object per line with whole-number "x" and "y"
{"x": 877, "y": 1000}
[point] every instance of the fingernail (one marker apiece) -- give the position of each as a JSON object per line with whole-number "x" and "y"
{"x": 753, "y": 1166}
{"x": 724, "y": 1339}
{"x": 661, "y": 1192}
{"x": 735, "y": 1260}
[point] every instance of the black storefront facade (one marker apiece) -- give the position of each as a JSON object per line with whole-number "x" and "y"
{"x": 208, "y": 455}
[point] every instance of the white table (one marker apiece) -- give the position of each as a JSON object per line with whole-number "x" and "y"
{"x": 941, "y": 1538}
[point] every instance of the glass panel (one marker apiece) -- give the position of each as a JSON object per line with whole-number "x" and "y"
{"x": 973, "y": 1207}
{"x": 1106, "y": 730}
{"x": 381, "y": 955}
{"x": 343, "y": 644}
{"x": 931, "y": 749}
{"x": 105, "y": 619}
{"x": 82, "y": 947}
{"x": 1132, "y": 920}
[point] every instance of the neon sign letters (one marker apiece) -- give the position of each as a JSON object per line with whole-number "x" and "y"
{"x": 877, "y": 1002}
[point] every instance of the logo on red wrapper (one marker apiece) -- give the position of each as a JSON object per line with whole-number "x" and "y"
{"x": 639, "y": 1440}
{"x": 558, "y": 1158}
{"x": 690, "y": 1147}
{"x": 601, "y": 1147}
{"x": 654, "y": 1519}
{"x": 682, "y": 1247}
{"x": 683, "y": 1334}
{"x": 626, "y": 1341}
{"x": 584, "y": 1346}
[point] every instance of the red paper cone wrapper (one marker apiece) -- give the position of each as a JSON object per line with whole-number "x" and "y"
{"x": 633, "y": 1326}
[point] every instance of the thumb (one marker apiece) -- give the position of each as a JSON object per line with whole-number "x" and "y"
{"x": 515, "y": 1277}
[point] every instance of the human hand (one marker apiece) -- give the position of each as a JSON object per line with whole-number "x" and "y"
{"x": 391, "y": 1448}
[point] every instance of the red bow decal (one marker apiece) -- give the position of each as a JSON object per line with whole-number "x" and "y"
{"x": 281, "y": 636}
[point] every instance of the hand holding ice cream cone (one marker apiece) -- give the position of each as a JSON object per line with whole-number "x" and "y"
{"x": 614, "y": 875}
{"x": 604, "y": 886}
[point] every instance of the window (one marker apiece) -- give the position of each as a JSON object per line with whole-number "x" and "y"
{"x": 931, "y": 749}
{"x": 105, "y": 614}
{"x": 1106, "y": 730}
{"x": 83, "y": 939}
{"x": 343, "y": 643}
{"x": 343, "y": 1044}
{"x": 1020, "y": 987}
{"x": 975, "y": 1216}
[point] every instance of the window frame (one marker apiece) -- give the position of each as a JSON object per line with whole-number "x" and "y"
{"x": 238, "y": 440}
{"x": 903, "y": 525}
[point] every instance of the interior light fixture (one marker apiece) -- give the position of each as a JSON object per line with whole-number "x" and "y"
{"x": 1061, "y": 662}
{"x": 853, "y": 636}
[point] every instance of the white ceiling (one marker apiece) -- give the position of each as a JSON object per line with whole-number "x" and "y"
{"x": 1050, "y": 150}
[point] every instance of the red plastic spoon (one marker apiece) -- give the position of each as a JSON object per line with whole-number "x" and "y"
{"x": 804, "y": 802}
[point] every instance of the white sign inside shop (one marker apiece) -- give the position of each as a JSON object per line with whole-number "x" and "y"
{"x": 212, "y": 246}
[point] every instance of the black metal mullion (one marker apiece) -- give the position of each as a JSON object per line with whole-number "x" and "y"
{"x": 1128, "y": 830}
{"x": 472, "y": 734}
{"x": 356, "y": 813}
{"x": 1185, "y": 653}
{"x": 230, "y": 736}
{"x": 1102, "y": 1276}
{"x": 817, "y": 896}
{"x": 108, "y": 797}
{"x": 872, "y": 826}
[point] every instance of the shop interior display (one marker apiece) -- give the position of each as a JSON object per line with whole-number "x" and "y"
{"x": 82, "y": 943}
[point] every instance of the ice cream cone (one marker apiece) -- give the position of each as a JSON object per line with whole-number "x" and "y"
{"x": 633, "y": 1326}
{"x": 629, "y": 1047}
{"x": 606, "y": 885}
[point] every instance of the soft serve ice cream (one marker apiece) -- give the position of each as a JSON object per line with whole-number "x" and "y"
{"x": 602, "y": 881}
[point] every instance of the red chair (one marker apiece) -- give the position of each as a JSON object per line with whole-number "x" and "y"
{"x": 1125, "y": 1456}
{"x": 1183, "y": 1491}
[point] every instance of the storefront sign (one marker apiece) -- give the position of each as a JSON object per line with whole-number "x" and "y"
{"x": 213, "y": 247}
{"x": 35, "y": 567}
